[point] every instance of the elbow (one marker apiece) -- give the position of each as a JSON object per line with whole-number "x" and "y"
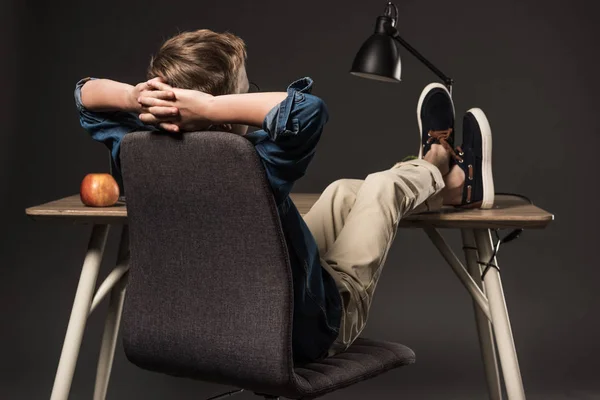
{"x": 318, "y": 112}
{"x": 82, "y": 94}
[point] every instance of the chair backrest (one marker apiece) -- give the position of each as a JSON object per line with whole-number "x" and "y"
{"x": 210, "y": 286}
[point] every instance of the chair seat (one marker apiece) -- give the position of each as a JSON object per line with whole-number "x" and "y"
{"x": 364, "y": 359}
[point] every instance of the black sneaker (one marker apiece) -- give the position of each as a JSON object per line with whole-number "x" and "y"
{"x": 435, "y": 115}
{"x": 475, "y": 159}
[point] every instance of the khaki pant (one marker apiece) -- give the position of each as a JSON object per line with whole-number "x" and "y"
{"x": 354, "y": 223}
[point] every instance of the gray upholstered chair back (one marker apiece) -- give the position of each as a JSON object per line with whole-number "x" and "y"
{"x": 210, "y": 289}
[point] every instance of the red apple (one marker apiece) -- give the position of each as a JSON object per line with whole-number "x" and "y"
{"x": 99, "y": 190}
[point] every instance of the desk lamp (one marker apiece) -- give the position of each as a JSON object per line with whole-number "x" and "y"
{"x": 379, "y": 56}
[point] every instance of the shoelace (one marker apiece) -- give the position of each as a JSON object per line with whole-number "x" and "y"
{"x": 442, "y": 138}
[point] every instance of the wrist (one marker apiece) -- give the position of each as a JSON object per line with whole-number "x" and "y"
{"x": 131, "y": 100}
{"x": 209, "y": 107}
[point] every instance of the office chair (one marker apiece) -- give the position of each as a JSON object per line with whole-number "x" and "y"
{"x": 210, "y": 289}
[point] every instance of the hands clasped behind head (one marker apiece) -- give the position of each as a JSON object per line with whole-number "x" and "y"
{"x": 173, "y": 109}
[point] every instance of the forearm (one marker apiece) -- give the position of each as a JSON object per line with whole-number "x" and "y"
{"x": 108, "y": 95}
{"x": 244, "y": 109}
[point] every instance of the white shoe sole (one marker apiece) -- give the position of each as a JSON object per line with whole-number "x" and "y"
{"x": 486, "y": 155}
{"x": 427, "y": 89}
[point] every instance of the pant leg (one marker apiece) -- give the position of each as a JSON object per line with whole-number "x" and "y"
{"x": 360, "y": 248}
{"x": 327, "y": 216}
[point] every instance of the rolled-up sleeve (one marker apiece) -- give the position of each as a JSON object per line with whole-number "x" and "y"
{"x": 293, "y": 129}
{"x": 86, "y": 117}
{"x": 301, "y": 114}
{"x": 107, "y": 127}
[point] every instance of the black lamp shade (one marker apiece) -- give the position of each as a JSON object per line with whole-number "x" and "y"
{"x": 378, "y": 58}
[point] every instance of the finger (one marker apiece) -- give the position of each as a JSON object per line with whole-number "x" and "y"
{"x": 158, "y": 94}
{"x": 156, "y": 84}
{"x": 164, "y": 112}
{"x": 161, "y": 112}
{"x": 169, "y": 127}
{"x": 158, "y": 79}
{"x": 154, "y": 102}
{"x": 143, "y": 86}
{"x": 160, "y": 119}
{"x": 150, "y": 119}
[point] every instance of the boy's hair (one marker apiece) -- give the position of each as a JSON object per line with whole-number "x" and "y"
{"x": 201, "y": 60}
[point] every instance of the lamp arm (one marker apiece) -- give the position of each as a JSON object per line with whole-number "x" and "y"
{"x": 447, "y": 80}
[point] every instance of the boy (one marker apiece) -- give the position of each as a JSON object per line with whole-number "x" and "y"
{"x": 198, "y": 82}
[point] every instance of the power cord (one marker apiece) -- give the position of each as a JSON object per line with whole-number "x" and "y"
{"x": 514, "y": 194}
{"x": 508, "y": 238}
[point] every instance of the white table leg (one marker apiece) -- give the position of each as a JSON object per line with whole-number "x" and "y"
{"x": 459, "y": 269}
{"x": 500, "y": 320}
{"x": 79, "y": 313}
{"x": 113, "y": 320}
{"x": 484, "y": 327}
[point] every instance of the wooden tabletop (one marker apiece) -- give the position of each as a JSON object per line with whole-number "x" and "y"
{"x": 508, "y": 212}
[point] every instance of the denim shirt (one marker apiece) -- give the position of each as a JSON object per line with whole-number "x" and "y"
{"x": 286, "y": 144}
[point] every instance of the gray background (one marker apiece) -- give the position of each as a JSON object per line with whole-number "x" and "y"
{"x": 530, "y": 65}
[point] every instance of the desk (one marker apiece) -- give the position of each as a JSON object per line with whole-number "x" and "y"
{"x": 491, "y": 314}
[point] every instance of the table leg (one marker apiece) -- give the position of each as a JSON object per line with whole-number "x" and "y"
{"x": 503, "y": 333}
{"x": 79, "y": 313}
{"x": 484, "y": 327}
{"x": 459, "y": 269}
{"x": 113, "y": 320}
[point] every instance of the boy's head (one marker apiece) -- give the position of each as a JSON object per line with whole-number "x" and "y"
{"x": 203, "y": 60}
